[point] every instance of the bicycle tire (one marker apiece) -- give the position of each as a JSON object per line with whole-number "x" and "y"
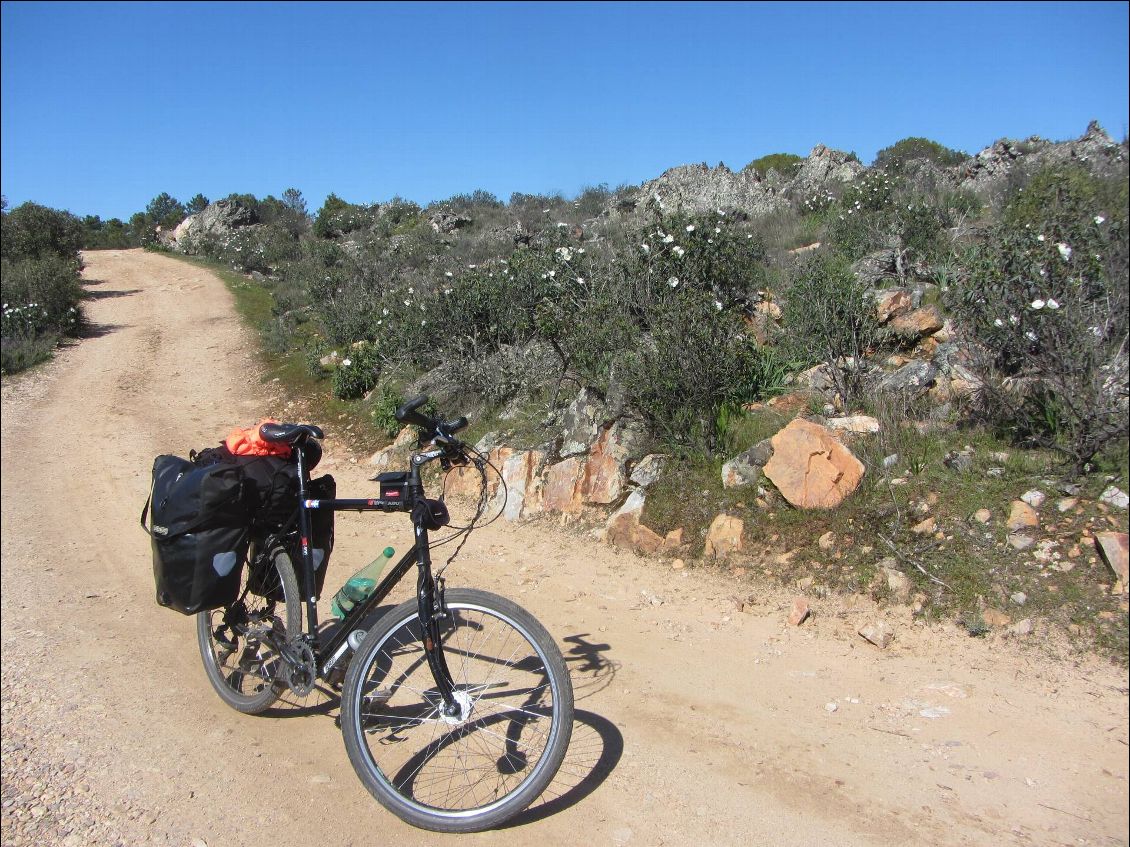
{"x": 251, "y": 683}
{"x": 515, "y": 728}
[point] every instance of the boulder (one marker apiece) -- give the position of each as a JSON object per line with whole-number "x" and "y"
{"x": 912, "y": 379}
{"x": 395, "y": 456}
{"x": 1114, "y": 547}
{"x": 447, "y": 222}
{"x": 1022, "y": 516}
{"x": 521, "y": 475}
{"x": 811, "y": 468}
{"x": 917, "y": 324}
{"x": 725, "y": 536}
{"x": 216, "y": 220}
{"x": 892, "y": 302}
{"x": 561, "y": 490}
{"x": 606, "y": 471}
{"x": 859, "y": 424}
{"x": 582, "y": 422}
{"x": 625, "y": 530}
{"x": 745, "y": 468}
{"x": 648, "y": 470}
{"x": 699, "y": 189}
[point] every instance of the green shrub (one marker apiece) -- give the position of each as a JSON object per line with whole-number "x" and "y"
{"x": 786, "y": 164}
{"x": 337, "y": 218}
{"x": 384, "y": 409}
{"x": 893, "y": 158}
{"x": 357, "y": 373}
{"x": 1045, "y": 293}
{"x": 31, "y": 231}
{"x": 827, "y": 319}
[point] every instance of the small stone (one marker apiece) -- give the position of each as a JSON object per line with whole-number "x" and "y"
{"x": 933, "y": 712}
{"x": 1066, "y": 504}
{"x": 995, "y": 618}
{"x": 1000, "y": 457}
{"x": 891, "y": 460}
{"x": 982, "y": 516}
{"x": 1021, "y": 628}
{"x": 1034, "y": 498}
{"x": 1114, "y": 547}
{"x": 678, "y": 565}
{"x": 1022, "y": 516}
{"x": 1019, "y": 598}
{"x": 320, "y": 779}
{"x": 878, "y": 633}
{"x": 925, "y": 527}
{"x": 830, "y": 707}
{"x": 827, "y": 541}
{"x": 1115, "y": 497}
{"x": 995, "y": 473}
{"x": 799, "y": 612}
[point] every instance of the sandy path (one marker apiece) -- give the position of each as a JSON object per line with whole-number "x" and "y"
{"x": 697, "y": 723}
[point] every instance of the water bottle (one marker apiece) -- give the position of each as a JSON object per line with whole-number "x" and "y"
{"x": 359, "y": 586}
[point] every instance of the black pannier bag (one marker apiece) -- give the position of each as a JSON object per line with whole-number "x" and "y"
{"x": 263, "y": 579}
{"x": 270, "y": 489}
{"x": 199, "y": 533}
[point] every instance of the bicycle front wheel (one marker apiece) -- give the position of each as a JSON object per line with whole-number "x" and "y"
{"x": 476, "y": 769}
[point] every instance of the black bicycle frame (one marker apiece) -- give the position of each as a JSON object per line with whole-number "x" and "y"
{"x": 430, "y": 611}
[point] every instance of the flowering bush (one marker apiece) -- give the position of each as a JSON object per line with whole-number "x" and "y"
{"x": 357, "y": 373}
{"x": 1045, "y": 294}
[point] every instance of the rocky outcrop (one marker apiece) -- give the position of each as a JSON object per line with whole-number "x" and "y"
{"x": 824, "y": 167}
{"x": 447, "y": 222}
{"x": 216, "y": 220}
{"x": 811, "y": 467}
{"x": 701, "y": 189}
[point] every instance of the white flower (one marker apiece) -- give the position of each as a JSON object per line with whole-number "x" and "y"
{"x": 1040, "y": 238}
{"x": 448, "y": 274}
{"x": 722, "y": 213}
{"x": 717, "y": 306}
{"x": 673, "y": 281}
{"x": 411, "y": 290}
{"x": 667, "y": 239}
{"x": 1052, "y": 304}
{"x": 1100, "y": 219}
{"x": 710, "y": 241}
{"x": 552, "y": 273}
{"x": 407, "y": 302}
{"x": 1012, "y": 319}
{"x": 646, "y": 248}
{"x": 1037, "y": 304}
{"x": 1031, "y": 336}
{"x": 472, "y": 267}
{"x": 690, "y": 228}
{"x": 423, "y": 323}
{"x": 447, "y": 291}
{"x": 677, "y": 250}
{"x": 717, "y": 230}
{"x": 1064, "y": 251}
{"x": 580, "y": 280}
{"x": 345, "y": 363}
{"x": 998, "y": 322}
{"x": 384, "y": 311}
{"x": 564, "y": 253}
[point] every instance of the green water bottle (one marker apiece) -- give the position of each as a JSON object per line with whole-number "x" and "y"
{"x": 359, "y": 586}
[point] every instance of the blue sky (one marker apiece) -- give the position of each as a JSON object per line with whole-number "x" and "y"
{"x": 105, "y": 105}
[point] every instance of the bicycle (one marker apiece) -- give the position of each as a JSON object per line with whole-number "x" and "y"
{"x": 456, "y": 707}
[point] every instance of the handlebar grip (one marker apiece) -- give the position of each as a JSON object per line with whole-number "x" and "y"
{"x": 452, "y": 427}
{"x": 407, "y": 413}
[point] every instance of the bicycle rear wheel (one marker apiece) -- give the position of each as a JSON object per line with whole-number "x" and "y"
{"x": 241, "y": 664}
{"x": 474, "y": 770}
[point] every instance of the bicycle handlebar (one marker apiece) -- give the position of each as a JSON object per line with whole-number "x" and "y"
{"x": 434, "y": 429}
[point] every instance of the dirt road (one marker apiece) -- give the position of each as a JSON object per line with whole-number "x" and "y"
{"x": 697, "y": 723}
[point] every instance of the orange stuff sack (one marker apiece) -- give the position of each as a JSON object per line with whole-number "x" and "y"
{"x": 246, "y": 442}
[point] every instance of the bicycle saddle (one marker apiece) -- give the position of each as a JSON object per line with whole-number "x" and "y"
{"x": 289, "y": 433}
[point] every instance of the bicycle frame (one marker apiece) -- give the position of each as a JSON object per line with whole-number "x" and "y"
{"x": 430, "y": 601}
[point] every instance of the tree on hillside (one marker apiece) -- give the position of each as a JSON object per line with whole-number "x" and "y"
{"x": 197, "y": 204}
{"x": 898, "y": 154}
{"x": 164, "y": 211}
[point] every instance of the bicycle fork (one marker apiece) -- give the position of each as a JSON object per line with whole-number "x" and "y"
{"x": 432, "y": 610}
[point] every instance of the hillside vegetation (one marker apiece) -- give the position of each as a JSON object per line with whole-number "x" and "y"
{"x": 959, "y": 321}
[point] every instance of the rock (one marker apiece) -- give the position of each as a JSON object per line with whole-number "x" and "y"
{"x": 892, "y": 302}
{"x": 925, "y": 527}
{"x": 724, "y": 537}
{"x": 1066, "y": 504}
{"x": 604, "y": 474}
{"x": 817, "y": 378}
{"x": 1021, "y": 628}
{"x": 811, "y": 468}
{"x": 648, "y": 469}
{"x": 1034, "y": 498}
{"x": 672, "y": 541}
{"x": 898, "y": 584}
{"x": 959, "y": 460}
{"x": 215, "y": 221}
{"x": 995, "y": 618}
{"x": 831, "y": 707}
{"x": 1022, "y": 516}
{"x": 995, "y": 473}
{"x": 799, "y": 612}
{"x": 917, "y": 324}
{"x": 582, "y": 423}
{"x": 1115, "y": 497}
{"x": 913, "y": 379}
{"x": 861, "y": 424}
{"x": 447, "y": 222}
{"x": 891, "y": 460}
{"x": 1019, "y": 541}
{"x": 700, "y": 189}
{"x": 395, "y": 456}
{"x": 521, "y": 476}
{"x": 1114, "y": 549}
{"x": 561, "y": 489}
{"x": 1019, "y": 598}
{"x": 982, "y": 516}
{"x": 745, "y": 468}
{"x": 827, "y": 541}
{"x": 621, "y": 524}
{"x": 878, "y": 633}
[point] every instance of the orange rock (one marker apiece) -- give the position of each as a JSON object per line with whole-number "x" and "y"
{"x": 811, "y": 468}
{"x": 919, "y": 323}
{"x": 560, "y": 492}
{"x": 892, "y": 302}
{"x": 603, "y": 479}
{"x": 799, "y": 612}
{"x": 724, "y": 537}
{"x": 1022, "y": 516}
